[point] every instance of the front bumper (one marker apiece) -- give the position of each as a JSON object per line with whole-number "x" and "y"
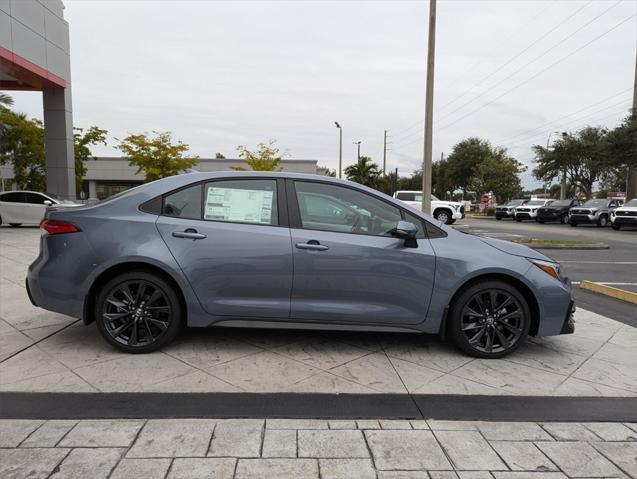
{"x": 503, "y": 214}
{"x": 624, "y": 220}
{"x": 583, "y": 219}
{"x": 548, "y": 216}
{"x": 525, "y": 215}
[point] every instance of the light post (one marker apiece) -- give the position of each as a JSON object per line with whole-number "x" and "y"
{"x": 358, "y": 144}
{"x": 340, "y": 149}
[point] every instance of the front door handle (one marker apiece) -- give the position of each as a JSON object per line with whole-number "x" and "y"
{"x": 189, "y": 234}
{"x": 312, "y": 245}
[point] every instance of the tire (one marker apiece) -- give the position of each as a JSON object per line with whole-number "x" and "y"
{"x": 573, "y": 224}
{"x": 128, "y": 330}
{"x": 564, "y": 219}
{"x": 603, "y": 221}
{"x": 15, "y": 225}
{"x": 518, "y": 220}
{"x": 541, "y": 222}
{"x": 616, "y": 227}
{"x": 444, "y": 216}
{"x": 516, "y": 316}
{"x": 498, "y": 218}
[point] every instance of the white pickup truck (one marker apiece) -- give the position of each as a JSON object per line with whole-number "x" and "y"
{"x": 445, "y": 211}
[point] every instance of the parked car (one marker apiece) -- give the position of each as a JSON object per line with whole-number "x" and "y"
{"x": 593, "y": 212}
{"x": 255, "y": 249}
{"x": 625, "y": 215}
{"x": 27, "y": 207}
{"x": 508, "y": 210}
{"x": 446, "y": 211}
{"x": 556, "y": 211}
{"x": 528, "y": 211}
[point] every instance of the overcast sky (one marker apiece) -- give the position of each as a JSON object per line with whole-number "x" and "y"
{"x": 219, "y": 74}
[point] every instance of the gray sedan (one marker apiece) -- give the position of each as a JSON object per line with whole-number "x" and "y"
{"x": 253, "y": 249}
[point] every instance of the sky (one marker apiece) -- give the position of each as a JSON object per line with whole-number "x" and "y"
{"x": 218, "y": 74}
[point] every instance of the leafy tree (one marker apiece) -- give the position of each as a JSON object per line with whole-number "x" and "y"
{"x": 584, "y": 156}
{"x": 157, "y": 157}
{"x": 498, "y": 174}
{"x": 5, "y": 100}
{"x": 219, "y": 156}
{"x": 81, "y": 147}
{"x": 464, "y": 158}
{"x": 412, "y": 182}
{"x": 266, "y": 158}
{"x": 22, "y": 145}
{"x": 364, "y": 171}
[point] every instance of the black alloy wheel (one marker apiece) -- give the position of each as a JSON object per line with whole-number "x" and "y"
{"x": 564, "y": 218}
{"x": 138, "y": 312}
{"x": 603, "y": 221}
{"x": 490, "y": 319}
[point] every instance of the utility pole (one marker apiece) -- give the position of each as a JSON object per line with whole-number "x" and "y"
{"x": 384, "y": 152}
{"x": 358, "y": 144}
{"x": 429, "y": 100}
{"x": 631, "y": 181}
{"x": 340, "y": 149}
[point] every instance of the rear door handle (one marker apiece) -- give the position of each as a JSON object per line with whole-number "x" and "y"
{"x": 189, "y": 234}
{"x": 312, "y": 245}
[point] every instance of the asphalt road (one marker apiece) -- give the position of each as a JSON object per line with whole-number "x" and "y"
{"x": 618, "y": 264}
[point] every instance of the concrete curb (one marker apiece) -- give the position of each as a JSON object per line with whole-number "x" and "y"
{"x": 617, "y": 293}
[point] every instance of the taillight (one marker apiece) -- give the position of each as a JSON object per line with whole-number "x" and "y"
{"x": 55, "y": 227}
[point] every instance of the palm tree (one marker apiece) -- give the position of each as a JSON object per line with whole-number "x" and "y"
{"x": 364, "y": 172}
{"x": 5, "y": 100}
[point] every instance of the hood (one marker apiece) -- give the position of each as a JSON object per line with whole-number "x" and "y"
{"x": 514, "y": 248}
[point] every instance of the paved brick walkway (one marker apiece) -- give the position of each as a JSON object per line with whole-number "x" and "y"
{"x": 282, "y": 448}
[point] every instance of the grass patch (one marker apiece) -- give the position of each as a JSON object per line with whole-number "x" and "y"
{"x": 561, "y": 244}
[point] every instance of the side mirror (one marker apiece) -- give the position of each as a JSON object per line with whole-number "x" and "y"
{"x": 407, "y": 231}
{"x": 48, "y": 202}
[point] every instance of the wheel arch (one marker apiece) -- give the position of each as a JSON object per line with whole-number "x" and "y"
{"x": 519, "y": 285}
{"x": 111, "y": 272}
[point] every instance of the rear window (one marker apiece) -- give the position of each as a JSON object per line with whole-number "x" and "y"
{"x": 406, "y": 196}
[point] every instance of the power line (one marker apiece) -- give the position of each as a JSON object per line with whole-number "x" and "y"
{"x": 570, "y": 35}
{"x": 538, "y": 73}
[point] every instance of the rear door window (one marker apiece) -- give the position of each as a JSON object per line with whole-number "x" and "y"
{"x": 184, "y": 203}
{"x": 13, "y": 197}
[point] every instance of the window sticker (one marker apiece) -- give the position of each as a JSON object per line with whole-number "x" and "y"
{"x": 245, "y": 206}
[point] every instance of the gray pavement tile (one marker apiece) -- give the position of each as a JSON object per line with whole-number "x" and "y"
{"x": 262, "y": 372}
{"x": 625, "y": 336}
{"x": 443, "y": 475}
{"x": 578, "y": 459}
{"x": 11, "y": 342}
{"x": 325, "y": 382}
{"x": 279, "y": 443}
{"x": 529, "y": 475}
{"x": 14, "y": 431}
{"x": 631, "y": 425}
{"x": 618, "y": 353}
{"x": 394, "y": 424}
{"x": 451, "y": 384}
{"x": 322, "y": 352}
{"x": 442, "y": 425}
{"x": 102, "y": 433}
{"x": 66, "y": 381}
{"x": 522, "y": 456}
{"x": 342, "y": 424}
{"x": 512, "y": 431}
{"x": 197, "y": 382}
{"x": 173, "y": 438}
{"x": 564, "y": 431}
{"x": 209, "y": 468}
{"x": 469, "y": 451}
{"x": 296, "y": 424}
{"x": 237, "y": 438}
{"x": 30, "y": 363}
{"x": 277, "y": 469}
{"x": 332, "y": 444}
{"x": 31, "y": 463}
{"x": 39, "y": 333}
{"x": 622, "y": 376}
{"x": 427, "y": 351}
{"x": 577, "y": 387}
{"x": 49, "y": 434}
{"x": 474, "y": 475}
{"x": 406, "y": 450}
{"x": 414, "y": 376}
{"x": 612, "y": 431}
{"x": 419, "y": 424}
{"x": 367, "y": 424}
{"x": 83, "y": 463}
{"x": 622, "y": 454}
{"x": 547, "y": 359}
{"x": 374, "y": 371}
{"x": 141, "y": 468}
{"x": 346, "y": 469}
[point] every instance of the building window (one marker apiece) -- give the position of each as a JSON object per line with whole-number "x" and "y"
{"x": 106, "y": 190}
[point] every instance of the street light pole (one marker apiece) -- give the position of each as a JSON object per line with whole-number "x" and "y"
{"x": 358, "y": 144}
{"x": 631, "y": 180}
{"x": 340, "y": 149}
{"x": 429, "y": 100}
{"x": 384, "y": 152}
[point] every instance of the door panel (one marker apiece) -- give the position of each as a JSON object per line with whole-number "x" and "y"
{"x": 361, "y": 278}
{"x": 237, "y": 269}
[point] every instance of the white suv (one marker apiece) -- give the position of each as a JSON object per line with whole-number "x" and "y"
{"x": 528, "y": 211}
{"x": 445, "y": 211}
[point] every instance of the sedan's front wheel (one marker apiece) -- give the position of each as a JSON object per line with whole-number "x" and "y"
{"x": 138, "y": 312}
{"x": 489, "y": 319}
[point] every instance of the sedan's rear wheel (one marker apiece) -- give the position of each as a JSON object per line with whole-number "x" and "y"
{"x": 489, "y": 319}
{"x": 138, "y": 312}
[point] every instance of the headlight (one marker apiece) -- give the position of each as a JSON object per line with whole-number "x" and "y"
{"x": 550, "y": 268}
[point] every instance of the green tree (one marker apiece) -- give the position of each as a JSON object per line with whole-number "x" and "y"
{"x": 498, "y": 174}
{"x": 82, "y": 141}
{"x": 157, "y": 157}
{"x": 5, "y": 100}
{"x": 464, "y": 158}
{"x": 219, "y": 156}
{"x": 412, "y": 182}
{"x": 22, "y": 145}
{"x": 266, "y": 158}
{"x": 364, "y": 172}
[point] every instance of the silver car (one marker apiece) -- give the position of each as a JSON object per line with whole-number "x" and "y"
{"x": 253, "y": 249}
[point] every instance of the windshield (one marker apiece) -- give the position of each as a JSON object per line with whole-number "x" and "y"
{"x": 515, "y": 202}
{"x": 632, "y": 202}
{"x": 561, "y": 203}
{"x": 595, "y": 203}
